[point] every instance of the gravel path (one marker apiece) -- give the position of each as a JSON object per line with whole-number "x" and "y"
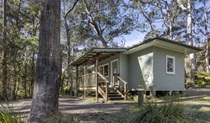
{"x": 197, "y": 92}
{"x": 74, "y": 106}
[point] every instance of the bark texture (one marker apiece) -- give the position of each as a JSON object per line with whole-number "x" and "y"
{"x": 4, "y": 52}
{"x": 48, "y": 69}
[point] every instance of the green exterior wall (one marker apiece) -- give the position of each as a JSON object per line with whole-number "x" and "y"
{"x": 124, "y": 65}
{"x": 140, "y": 64}
{"x": 163, "y": 81}
{"x": 108, "y": 60}
{"x": 149, "y": 66}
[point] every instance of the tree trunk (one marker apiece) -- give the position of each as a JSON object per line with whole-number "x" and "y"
{"x": 70, "y": 79}
{"x": 48, "y": 69}
{"x": 206, "y": 37}
{"x": 13, "y": 93}
{"x": 189, "y": 33}
{"x": 140, "y": 98}
{"x": 4, "y": 52}
{"x": 32, "y": 74}
{"x": 25, "y": 79}
{"x": 69, "y": 70}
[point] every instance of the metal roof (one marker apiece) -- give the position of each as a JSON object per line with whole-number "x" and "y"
{"x": 103, "y": 53}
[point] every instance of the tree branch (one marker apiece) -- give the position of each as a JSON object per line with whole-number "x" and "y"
{"x": 71, "y": 9}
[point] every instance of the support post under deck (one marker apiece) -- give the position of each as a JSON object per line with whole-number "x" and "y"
{"x": 96, "y": 69}
{"x": 85, "y": 80}
{"x": 77, "y": 81}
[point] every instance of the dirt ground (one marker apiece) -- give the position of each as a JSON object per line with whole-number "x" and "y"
{"x": 87, "y": 108}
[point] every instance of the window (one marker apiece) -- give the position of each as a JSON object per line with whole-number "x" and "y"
{"x": 104, "y": 69}
{"x": 170, "y": 64}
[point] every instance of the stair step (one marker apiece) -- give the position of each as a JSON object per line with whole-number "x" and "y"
{"x": 110, "y": 89}
{"x": 112, "y": 92}
{"x": 114, "y": 95}
{"x": 115, "y": 98}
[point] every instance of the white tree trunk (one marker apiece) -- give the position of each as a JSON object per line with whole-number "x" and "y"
{"x": 189, "y": 33}
{"x": 206, "y": 37}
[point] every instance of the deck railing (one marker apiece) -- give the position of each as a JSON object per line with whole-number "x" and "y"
{"x": 87, "y": 81}
{"x": 119, "y": 79}
{"x": 100, "y": 90}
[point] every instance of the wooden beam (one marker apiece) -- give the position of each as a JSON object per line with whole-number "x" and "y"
{"x": 77, "y": 81}
{"x": 85, "y": 80}
{"x": 96, "y": 69}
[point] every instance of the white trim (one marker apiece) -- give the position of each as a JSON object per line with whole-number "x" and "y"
{"x": 172, "y": 57}
{"x": 115, "y": 60}
{"x": 103, "y": 69}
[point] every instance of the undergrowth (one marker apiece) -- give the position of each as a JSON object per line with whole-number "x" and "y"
{"x": 61, "y": 118}
{"x": 8, "y": 116}
{"x": 169, "y": 112}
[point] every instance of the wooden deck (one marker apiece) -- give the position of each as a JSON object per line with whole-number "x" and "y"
{"x": 102, "y": 87}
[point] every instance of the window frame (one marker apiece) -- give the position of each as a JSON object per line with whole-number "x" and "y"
{"x": 174, "y": 66}
{"x": 103, "y": 67}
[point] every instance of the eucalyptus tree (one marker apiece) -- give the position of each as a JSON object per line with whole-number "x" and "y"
{"x": 187, "y": 7}
{"x": 48, "y": 67}
{"x": 171, "y": 14}
{"x": 102, "y": 21}
{"x": 206, "y": 33}
{"x": 69, "y": 43}
{"x": 150, "y": 15}
{"x": 4, "y": 51}
{"x": 22, "y": 25}
{"x": 202, "y": 13}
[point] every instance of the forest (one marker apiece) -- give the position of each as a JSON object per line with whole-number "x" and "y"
{"x": 73, "y": 27}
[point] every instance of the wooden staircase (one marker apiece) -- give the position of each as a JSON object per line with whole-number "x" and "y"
{"x": 114, "y": 96}
{"x": 114, "y": 93}
{"x": 111, "y": 93}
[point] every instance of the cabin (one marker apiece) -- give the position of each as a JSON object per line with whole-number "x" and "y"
{"x": 156, "y": 64}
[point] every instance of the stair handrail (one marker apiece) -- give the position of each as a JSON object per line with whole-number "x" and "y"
{"x": 102, "y": 77}
{"x": 125, "y": 86}
{"x": 106, "y": 82}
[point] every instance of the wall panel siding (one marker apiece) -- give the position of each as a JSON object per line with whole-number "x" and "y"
{"x": 140, "y": 64}
{"x": 124, "y": 67}
{"x": 163, "y": 81}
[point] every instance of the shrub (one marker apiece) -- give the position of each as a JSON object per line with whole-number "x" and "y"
{"x": 168, "y": 112}
{"x": 202, "y": 79}
{"x": 20, "y": 94}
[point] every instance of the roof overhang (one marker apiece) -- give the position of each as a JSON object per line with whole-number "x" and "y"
{"x": 163, "y": 43}
{"x": 102, "y": 53}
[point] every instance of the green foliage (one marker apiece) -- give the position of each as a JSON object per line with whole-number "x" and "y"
{"x": 203, "y": 79}
{"x": 20, "y": 94}
{"x": 61, "y": 118}
{"x": 66, "y": 88}
{"x": 8, "y": 116}
{"x": 168, "y": 112}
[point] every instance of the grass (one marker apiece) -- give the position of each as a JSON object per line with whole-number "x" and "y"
{"x": 193, "y": 110}
{"x": 8, "y": 116}
{"x": 61, "y": 118}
